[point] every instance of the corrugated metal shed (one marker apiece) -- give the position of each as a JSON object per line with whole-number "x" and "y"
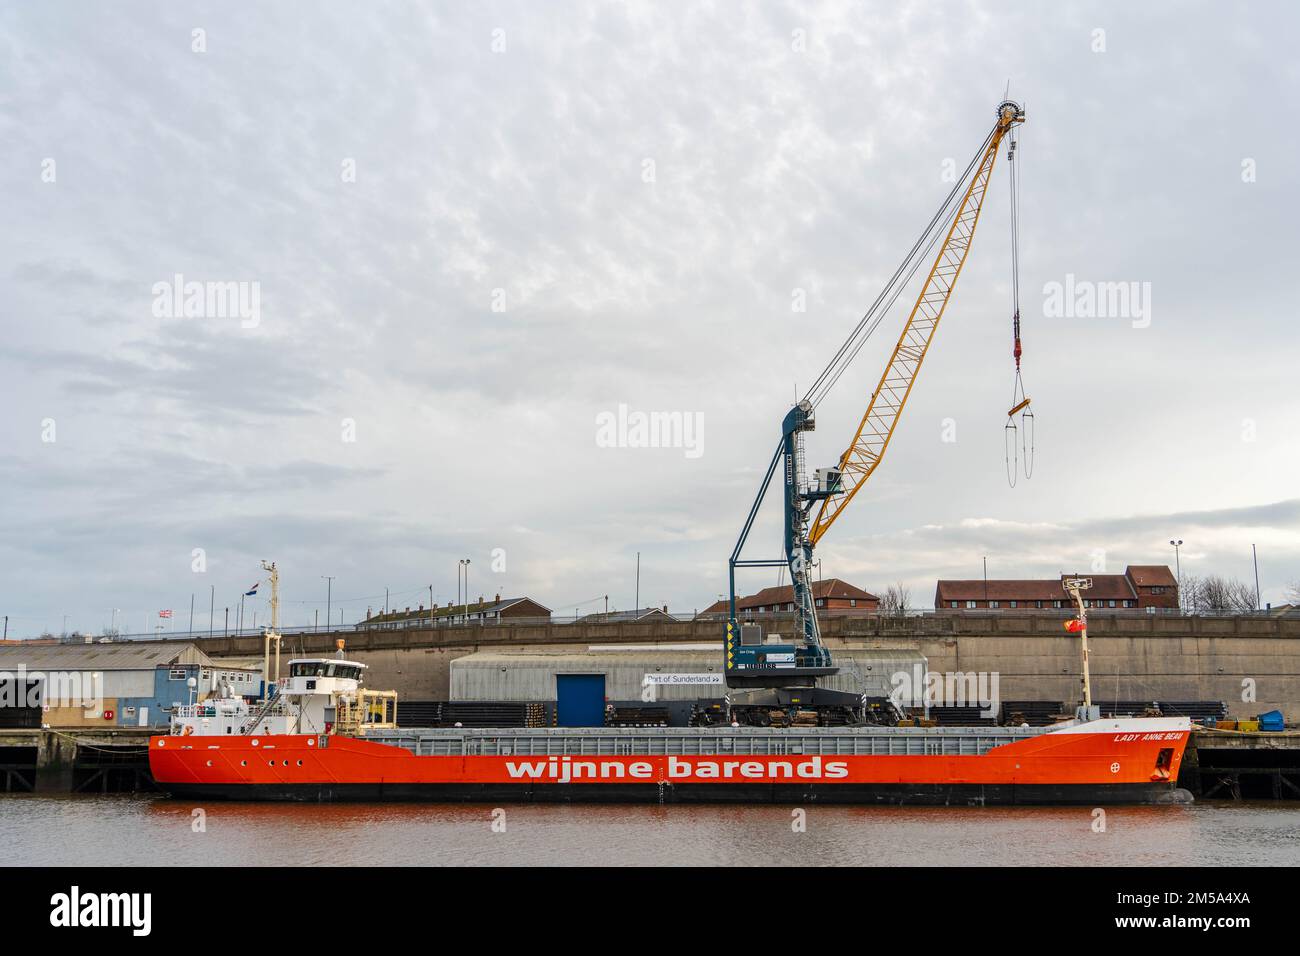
{"x": 531, "y": 676}
{"x": 128, "y": 667}
{"x": 127, "y": 655}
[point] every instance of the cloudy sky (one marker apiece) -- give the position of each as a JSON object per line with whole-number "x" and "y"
{"x": 473, "y": 229}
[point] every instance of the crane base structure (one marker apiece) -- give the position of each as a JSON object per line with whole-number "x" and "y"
{"x": 807, "y": 705}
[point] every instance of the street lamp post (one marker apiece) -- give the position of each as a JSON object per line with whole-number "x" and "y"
{"x": 329, "y": 590}
{"x": 464, "y": 563}
{"x": 1178, "y": 564}
{"x": 1255, "y": 557}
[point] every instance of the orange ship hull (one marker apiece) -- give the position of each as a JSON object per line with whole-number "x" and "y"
{"x": 1132, "y": 760}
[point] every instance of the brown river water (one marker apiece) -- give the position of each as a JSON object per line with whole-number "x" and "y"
{"x": 134, "y": 830}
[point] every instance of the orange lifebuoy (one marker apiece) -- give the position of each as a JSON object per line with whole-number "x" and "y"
{"x": 189, "y": 729}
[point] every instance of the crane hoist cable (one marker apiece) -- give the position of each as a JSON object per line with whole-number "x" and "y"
{"x": 1013, "y": 441}
{"x": 891, "y": 393}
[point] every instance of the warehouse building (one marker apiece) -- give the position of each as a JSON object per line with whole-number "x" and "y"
{"x": 582, "y": 683}
{"x": 129, "y": 684}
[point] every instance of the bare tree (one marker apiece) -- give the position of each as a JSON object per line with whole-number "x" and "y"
{"x": 1215, "y": 593}
{"x": 1293, "y": 592}
{"x": 895, "y": 600}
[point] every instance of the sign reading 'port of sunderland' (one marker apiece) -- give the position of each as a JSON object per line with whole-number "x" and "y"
{"x": 694, "y": 679}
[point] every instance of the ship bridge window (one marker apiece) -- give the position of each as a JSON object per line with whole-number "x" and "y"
{"x": 325, "y": 669}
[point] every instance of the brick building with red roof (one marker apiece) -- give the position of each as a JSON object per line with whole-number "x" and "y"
{"x": 832, "y": 596}
{"x": 1140, "y": 587}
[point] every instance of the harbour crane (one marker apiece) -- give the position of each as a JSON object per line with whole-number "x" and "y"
{"x": 771, "y": 678}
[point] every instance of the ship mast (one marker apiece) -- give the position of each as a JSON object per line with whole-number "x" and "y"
{"x": 272, "y": 632}
{"x": 1073, "y": 587}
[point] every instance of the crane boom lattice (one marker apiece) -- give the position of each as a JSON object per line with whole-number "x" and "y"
{"x": 891, "y": 394}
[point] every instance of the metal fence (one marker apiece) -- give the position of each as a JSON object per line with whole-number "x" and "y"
{"x": 909, "y": 617}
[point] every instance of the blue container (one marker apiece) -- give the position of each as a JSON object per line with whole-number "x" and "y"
{"x": 1272, "y": 720}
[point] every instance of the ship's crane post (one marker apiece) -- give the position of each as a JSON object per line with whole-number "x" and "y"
{"x": 773, "y": 678}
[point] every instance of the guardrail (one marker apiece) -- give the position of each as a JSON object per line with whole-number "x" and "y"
{"x": 903, "y": 618}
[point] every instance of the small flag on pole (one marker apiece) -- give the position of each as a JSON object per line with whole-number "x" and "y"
{"x": 166, "y": 613}
{"x": 252, "y": 592}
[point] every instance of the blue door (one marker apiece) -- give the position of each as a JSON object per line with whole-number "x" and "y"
{"x": 580, "y": 700}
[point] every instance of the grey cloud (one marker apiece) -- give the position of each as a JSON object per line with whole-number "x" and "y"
{"x": 775, "y": 170}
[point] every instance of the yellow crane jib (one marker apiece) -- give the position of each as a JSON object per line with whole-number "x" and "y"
{"x": 890, "y": 396}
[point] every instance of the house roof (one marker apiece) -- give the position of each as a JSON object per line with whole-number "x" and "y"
{"x": 121, "y": 656}
{"x": 1152, "y": 575}
{"x": 830, "y": 588}
{"x": 622, "y": 617}
{"x": 484, "y": 607}
{"x": 1104, "y": 586}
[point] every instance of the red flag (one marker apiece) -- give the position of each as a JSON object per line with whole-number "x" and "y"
{"x": 166, "y": 613}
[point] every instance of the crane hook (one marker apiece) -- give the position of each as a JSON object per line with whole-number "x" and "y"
{"x": 1010, "y": 433}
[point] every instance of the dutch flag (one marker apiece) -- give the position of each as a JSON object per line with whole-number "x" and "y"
{"x": 252, "y": 592}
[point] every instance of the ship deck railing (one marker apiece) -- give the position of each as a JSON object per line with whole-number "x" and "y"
{"x": 726, "y": 741}
{"x": 206, "y": 710}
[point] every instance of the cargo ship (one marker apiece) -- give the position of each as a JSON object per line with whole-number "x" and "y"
{"x": 322, "y": 737}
